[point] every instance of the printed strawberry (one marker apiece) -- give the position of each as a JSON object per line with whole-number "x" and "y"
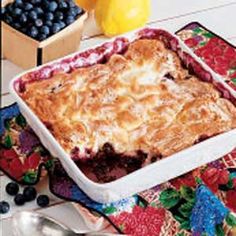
{"x": 191, "y": 42}
{"x": 223, "y": 177}
{"x": 210, "y": 178}
{"x": 33, "y": 160}
{"x": 234, "y": 183}
{"x": 229, "y": 52}
{"x": 16, "y": 168}
{"x": 4, "y": 164}
{"x": 9, "y": 154}
{"x": 230, "y": 200}
{"x": 233, "y": 75}
{"x": 141, "y": 221}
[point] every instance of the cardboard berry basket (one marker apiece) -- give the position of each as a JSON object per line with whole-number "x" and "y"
{"x": 152, "y": 174}
{"x": 26, "y": 52}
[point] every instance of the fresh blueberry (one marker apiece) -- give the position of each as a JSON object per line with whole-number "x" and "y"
{"x": 9, "y": 7}
{"x": 33, "y": 32}
{"x": 4, "y": 207}
{"x": 9, "y": 20}
{"x": 45, "y": 30}
{"x": 33, "y": 15}
{"x": 62, "y": 24}
{"x": 72, "y": 12}
{"x": 49, "y": 16}
{"x": 12, "y": 188}
{"x": 69, "y": 20}
{"x": 55, "y": 28}
{"x": 16, "y": 12}
{"x": 36, "y": 2}
{"x": 3, "y": 11}
{"x": 42, "y": 37}
{"x": 59, "y": 15}
{"x": 62, "y": 5}
{"x": 23, "y": 18}
{"x": 19, "y": 199}
{"x": 52, "y": 6}
{"x": 71, "y": 3}
{"x": 29, "y": 193}
{"x": 23, "y": 30}
{"x": 38, "y": 23}
{"x": 16, "y": 26}
{"x": 78, "y": 10}
{"x": 43, "y": 200}
{"x": 18, "y": 3}
{"x": 28, "y": 6}
{"x": 48, "y": 23}
{"x": 38, "y": 10}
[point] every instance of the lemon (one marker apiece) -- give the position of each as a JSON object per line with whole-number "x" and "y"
{"x": 119, "y": 16}
{"x": 87, "y": 5}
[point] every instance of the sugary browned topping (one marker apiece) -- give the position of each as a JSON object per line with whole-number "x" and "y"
{"x": 142, "y": 100}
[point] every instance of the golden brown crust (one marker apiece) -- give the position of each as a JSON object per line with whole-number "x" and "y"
{"x": 143, "y": 99}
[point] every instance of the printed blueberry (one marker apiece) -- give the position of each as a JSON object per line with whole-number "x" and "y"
{"x": 55, "y": 28}
{"x": 12, "y": 188}
{"x": 4, "y": 207}
{"x": 33, "y": 32}
{"x": 33, "y": 15}
{"x": 69, "y": 20}
{"x": 16, "y": 26}
{"x": 28, "y": 6}
{"x": 29, "y": 193}
{"x": 43, "y": 200}
{"x": 38, "y": 23}
{"x": 52, "y": 6}
{"x": 19, "y": 199}
{"x": 23, "y": 19}
{"x": 59, "y": 15}
{"x": 49, "y": 16}
{"x": 45, "y": 30}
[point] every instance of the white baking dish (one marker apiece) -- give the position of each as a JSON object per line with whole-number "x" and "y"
{"x": 146, "y": 177}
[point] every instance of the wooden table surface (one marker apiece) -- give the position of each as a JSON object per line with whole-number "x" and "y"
{"x": 217, "y": 15}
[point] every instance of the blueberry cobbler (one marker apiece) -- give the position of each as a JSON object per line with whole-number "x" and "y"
{"x": 136, "y": 108}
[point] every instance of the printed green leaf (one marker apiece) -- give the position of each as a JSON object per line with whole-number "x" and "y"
{"x": 30, "y": 177}
{"x": 219, "y": 230}
{"x": 49, "y": 164}
{"x": 20, "y": 120}
{"x": 208, "y": 35}
{"x": 180, "y": 234}
{"x": 179, "y": 218}
{"x": 231, "y": 220}
{"x": 202, "y": 43}
{"x": 109, "y": 210}
{"x": 233, "y": 80}
{"x": 198, "y": 180}
{"x": 169, "y": 198}
{"x": 186, "y": 209}
{"x": 185, "y": 225}
{"x": 7, "y": 125}
{"x": 197, "y": 30}
{"x": 187, "y": 193}
{"x": 8, "y": 141}
{"x": 230, "y": 184}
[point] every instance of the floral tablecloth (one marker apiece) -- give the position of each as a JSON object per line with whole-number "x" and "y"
{"x": 201, "y": 202}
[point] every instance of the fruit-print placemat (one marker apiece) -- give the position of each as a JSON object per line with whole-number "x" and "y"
{"x": 201, "y": 202}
